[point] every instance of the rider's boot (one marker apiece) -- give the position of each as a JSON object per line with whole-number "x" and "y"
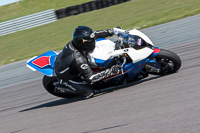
{"x": 82, "y": 89}
{"x": 90, "y": 95}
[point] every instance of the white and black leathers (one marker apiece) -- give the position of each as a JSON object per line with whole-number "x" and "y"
{"x": 72, "y": 63}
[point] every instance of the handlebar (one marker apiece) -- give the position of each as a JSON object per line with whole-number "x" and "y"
{"x": 118, "y": 31}
{"x": 121, "y": 34}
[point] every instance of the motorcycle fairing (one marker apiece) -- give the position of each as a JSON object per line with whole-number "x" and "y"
{"x": 136, "y": 68}
{"x": 139, "y": 55}
{"x": 102, "y": 63}
{"x": 103, "y": 49}
{"x": 100, "y": 39}
{"x": 133, "y": 69}
{"x": 153, "y": 62}
{"x": 155, "y": 52}
{"x": 130, "y": 70}
{"x": 43, "y": 63}
{"x": 134, "y": 32}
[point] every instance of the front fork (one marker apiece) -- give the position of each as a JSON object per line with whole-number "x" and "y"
{"x": 153, "y": 66}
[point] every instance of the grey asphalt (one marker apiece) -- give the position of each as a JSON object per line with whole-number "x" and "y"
{"x": 169, "y": 104}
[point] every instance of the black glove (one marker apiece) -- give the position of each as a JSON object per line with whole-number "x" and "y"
{"x": 102, "y": 74}
{"x": 113, "y": 70}
{"x": 110, "y": 32}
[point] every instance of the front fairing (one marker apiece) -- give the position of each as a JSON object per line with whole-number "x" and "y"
{"x": 101, "y": 56}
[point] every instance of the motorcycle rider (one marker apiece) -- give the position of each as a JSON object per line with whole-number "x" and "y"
{"x": 71, "y": 65}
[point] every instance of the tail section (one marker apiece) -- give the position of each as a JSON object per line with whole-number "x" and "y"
{"x": 43, "y": 63}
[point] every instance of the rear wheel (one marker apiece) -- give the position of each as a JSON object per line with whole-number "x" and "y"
{"x": 49, "y": 85}
{"x": 169, "y": 62}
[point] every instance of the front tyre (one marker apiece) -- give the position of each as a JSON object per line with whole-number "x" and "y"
{"x": 168, "y": 61}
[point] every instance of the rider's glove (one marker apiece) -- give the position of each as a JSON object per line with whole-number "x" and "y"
{"x": 110, "y": 32}
{"x": 113, "y": 70}
{"x": 102, "y": 74}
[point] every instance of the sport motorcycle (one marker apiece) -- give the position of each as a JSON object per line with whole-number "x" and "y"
{"x": 132, "y": 50}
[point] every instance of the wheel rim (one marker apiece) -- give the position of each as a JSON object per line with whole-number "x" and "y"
{"x": 166, "y": 65}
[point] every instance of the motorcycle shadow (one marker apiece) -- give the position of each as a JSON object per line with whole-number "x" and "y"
{"x": 98, "y": 93}
{"x": 114, "y": 88}
{"x": 53, "y": 103}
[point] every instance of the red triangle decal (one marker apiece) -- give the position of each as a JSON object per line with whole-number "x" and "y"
{"x": 42, "y": 61}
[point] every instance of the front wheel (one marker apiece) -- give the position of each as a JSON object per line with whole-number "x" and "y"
{"x": 168, "y": 61}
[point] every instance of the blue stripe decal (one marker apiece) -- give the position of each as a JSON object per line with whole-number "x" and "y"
{"x": 47, "y": 70}
{"x": 101, "y": 39}
{"x": 99, "y": 62}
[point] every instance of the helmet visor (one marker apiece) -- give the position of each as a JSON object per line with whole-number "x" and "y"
{"x": 89, "y": 45}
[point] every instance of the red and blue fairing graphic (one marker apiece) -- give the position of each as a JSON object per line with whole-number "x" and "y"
{"x": 102, "y": 63}
{"x": 155, "y": 52}
{"x": 152, "y": 61}
{"x": 131, "y": 70}
{"x": 43, "y": 63}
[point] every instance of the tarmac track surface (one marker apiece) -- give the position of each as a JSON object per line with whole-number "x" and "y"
{"x": 168, "y": 104}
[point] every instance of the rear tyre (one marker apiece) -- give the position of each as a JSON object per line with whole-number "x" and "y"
{"x": 169, "y": 62}
{"x": 48, "y": 83}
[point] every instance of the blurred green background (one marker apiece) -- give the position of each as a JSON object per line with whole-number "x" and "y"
{"x": 26, "y": 7}
{"x": 54, "y": 36}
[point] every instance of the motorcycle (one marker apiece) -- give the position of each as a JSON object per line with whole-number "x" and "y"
{"x": 131, "y": 49}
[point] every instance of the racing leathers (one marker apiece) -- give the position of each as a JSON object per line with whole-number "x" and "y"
{"x": 72, "y": 64}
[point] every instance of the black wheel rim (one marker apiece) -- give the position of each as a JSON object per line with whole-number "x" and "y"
{"x": 166, "y": 65}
